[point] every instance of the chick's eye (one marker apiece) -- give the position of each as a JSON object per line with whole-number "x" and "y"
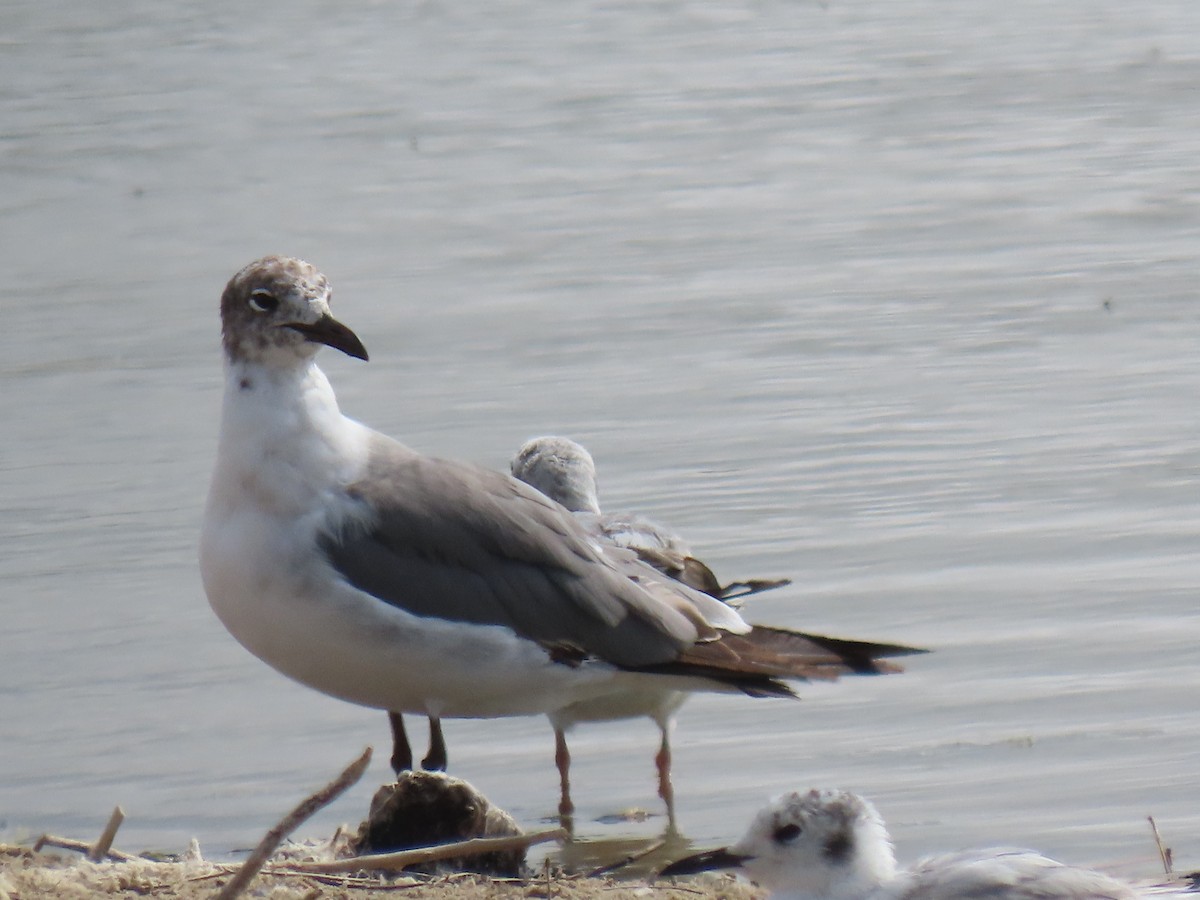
{"x": 785, "y": 834}
{"x": 263, "y": 301}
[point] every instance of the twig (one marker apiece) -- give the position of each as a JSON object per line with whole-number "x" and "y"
{"x": 100, "y": 849}
{"x": 221, "y": 872}
{"x": 347, "y": 881}
{"x": 402, "y": 858}
{"x": 62, "y": 843}
{"x": 273, "y": 838}
{"x": 1164, "y": 853}
{"x": 629, "y": 860}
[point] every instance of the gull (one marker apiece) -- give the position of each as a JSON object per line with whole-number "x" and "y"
{"x": 833, "y": 845}
{"x": 367, "y": 571}
{"x": 565, "y": 471}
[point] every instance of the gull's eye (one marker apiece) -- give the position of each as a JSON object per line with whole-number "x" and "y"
{"x": 263, "y": 301}
{"x": 785, "y": 834}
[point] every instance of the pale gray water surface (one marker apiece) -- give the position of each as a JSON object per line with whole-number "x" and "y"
{"x": 896, "y": 299}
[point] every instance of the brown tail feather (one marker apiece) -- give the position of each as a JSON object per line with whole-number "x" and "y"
{"x": 755, "y": 662}
{"x": 736, "y": 590}
{"x": 699, "y": 577}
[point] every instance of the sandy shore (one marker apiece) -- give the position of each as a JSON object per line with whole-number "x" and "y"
{"x": 26, "y": 874}
{"x": 449, "y": 817}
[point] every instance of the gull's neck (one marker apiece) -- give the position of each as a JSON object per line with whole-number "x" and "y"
{"x": 284, "y": 442}
{"x": 579, "y": 492}
{"x": 873, "y": 867}
{"x": 865, "y": 874}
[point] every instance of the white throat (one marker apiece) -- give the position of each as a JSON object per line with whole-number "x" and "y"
{"x": 283, "y": 440}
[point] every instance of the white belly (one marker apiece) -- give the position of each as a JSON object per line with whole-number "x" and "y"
{"x": 630, "y": 696}
{"x": 295, "y": 615}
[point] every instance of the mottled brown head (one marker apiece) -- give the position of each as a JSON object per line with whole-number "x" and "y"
{"x": 275, "y": 311}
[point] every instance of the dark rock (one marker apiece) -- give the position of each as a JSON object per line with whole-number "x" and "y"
{"x": 425, "y": 809}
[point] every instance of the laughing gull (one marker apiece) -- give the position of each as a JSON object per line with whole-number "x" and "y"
{"x": 828, "y": 844}
{"x": 565, "y": 472}
{"x": 367, "y": 571}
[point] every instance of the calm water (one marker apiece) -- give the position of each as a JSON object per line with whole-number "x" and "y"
{"x": 896, "y": 299}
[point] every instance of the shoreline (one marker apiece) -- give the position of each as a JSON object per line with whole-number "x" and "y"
{"x": 27, "y": 873}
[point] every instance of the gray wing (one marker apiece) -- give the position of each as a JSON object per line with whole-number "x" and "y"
{"x": 655, "y": 546}
{"x": 1006, "y": 874}
{"x": 459, "y": 542}
{"x": 565, "y": 472}
{"x": 666, "y": 551}
{"x": 631, "y": 530}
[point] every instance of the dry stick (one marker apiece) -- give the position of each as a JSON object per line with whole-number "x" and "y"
{"x": 273, "y": 838}
{"x": 628, "y": 860}
{"x": 282, "y": 871}
{"x": 104, "y": 842}
{"x": 62, "y": 843}
{"x": 402, "y": 858}
{"x": 1164, "y": 853}
{"x": 349, "y": 882}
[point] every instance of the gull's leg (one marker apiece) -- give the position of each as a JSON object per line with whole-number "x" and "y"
{"x": 435, "y": 760}
{"x": 562, "y": 759}
{"x": 662, "y": 761}
{"x": 402, "y": 759}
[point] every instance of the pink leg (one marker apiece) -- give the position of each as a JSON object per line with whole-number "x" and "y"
{"x": 562, "y": 759}
{"x": 665, "y": 789}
